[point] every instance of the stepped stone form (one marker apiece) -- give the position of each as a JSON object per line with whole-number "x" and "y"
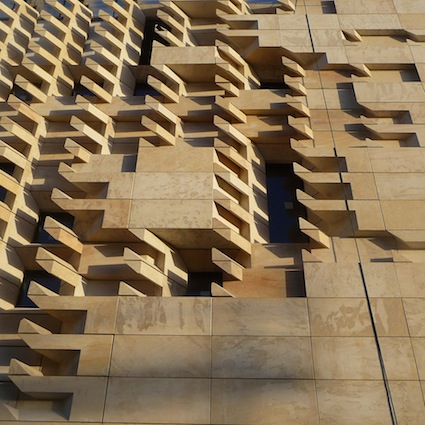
{"x": 212, "y": 212}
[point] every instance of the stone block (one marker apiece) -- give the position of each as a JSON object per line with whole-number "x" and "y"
{"x": 407, "y": 398}
{"x": 260, "y": 317}
{"x": 381, "y": 279}
{"x": 339, "y": 317}
{"x": 346, "y": 358}
{"x": 160, "y": 356}
{"x": 254, "y": 401}
{"x": 164, "y": 316}
{"x": 415, "y": 314}
{"x": 333, "y": 280}
{"x": 419, "y": 350}
{"x": 352, "y": 402}
{"x": 261, "y": 357}
{"x": 399, "y": 358}
{"x": 158, "y": 400}
{"x": 389, "y": 316}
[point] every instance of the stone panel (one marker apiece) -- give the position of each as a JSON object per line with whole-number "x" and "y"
{"x": 161, "y": 356}
{"x": 352, "y": 403}
{"x": 339, "y": 317}
{"x": 262, "y": 357}
{"x": 164, "y": 316}
{"x": 346, "y": 358}
{"x": 250, "y": 402}
{"x": 158, "y": 400}
{"x": 263, "y": 317}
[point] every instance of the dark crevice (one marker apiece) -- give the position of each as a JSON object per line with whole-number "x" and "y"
{"x": 380, "y": 356}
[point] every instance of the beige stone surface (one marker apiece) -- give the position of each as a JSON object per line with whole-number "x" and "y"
{"x": 408, "y": 6}
{"x": 277, "y": 400}
{"x": 401, "y": 159}
{"x": 352, "y": 402}
{"x": 88, "y": 397}
{"x": 365, "y": 6}
{"x": 172, "y": 316}
{"x": 412, "y": 279}
{"x": 390, "y": 316}
{"x": 408, "y": 214}
{"x": 92, "y": 315}
{"x": 173, "y": 186}
{"x": 187, "y": 400}
{"x": 346, "y": 358}
{"x": 381, "y": 279}
{"x": 262, "y": 317}
{"x": 418, "y": 345}
{"x": 339, "y": 317}
{"x": 94, "y": 351}
{"x": 161, "y": 356}
{"x": 415, "y": 315}
{"x": 261, "y": 357}
{"x": 333, "y": 280}
{"x": 396, "y": 186}
{"x": 151, "y": 124}
{"x": 21, "y": 353}
{"x": 408, "y": 401}
{"x": 175, "y": 214}
{"x": 399, "y": 358}
{"x": 375, "y": 250}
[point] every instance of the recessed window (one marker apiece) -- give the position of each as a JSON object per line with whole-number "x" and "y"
{"x": 21, "y": 94}
{"x": 283, "y": 207}
{"x": 121, "y": 3}
{"x": 82, "y": 90}
{"x": 328, "y": 7}
{"x": 199, "y": 284}
{"x": 39, "y": 276}
{"x": 53, "y": 12}
{"x": 3, "y": 194}
{"x": 143, "y": 89}
{"x": 7, "y": 167}
{"x": 274, "y": 85}
{"x": 9, "y": 3}
{"x": 153, "y": 28}
{"x": 41, "y": 236}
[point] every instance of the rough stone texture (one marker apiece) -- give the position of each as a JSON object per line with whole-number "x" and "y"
{"x": 136, "y": 140}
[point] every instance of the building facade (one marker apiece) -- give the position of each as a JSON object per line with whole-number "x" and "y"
{"x": 212, "y": 212}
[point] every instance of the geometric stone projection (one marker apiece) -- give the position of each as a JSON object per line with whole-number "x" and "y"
{"x": 204, "y": 203}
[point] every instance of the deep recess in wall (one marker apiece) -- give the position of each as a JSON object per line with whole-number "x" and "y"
{"x": 284, "y": 209}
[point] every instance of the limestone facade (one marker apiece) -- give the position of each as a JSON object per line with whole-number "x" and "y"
{"x": 150, "y": 273}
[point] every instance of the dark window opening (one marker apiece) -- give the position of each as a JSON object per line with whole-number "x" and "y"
{"x": 7, "y": 167}
{"x": 21, "y": 94}
{"x": 11, "y": 5}
{"x": 82, "y": 90}
{"x": 3, "y": 194}
{"x": 328, "y": 7}
{"x": 52, "y": 11}
{"x": 65, "y": 3}
{"x": 110, "y": 11}
{"x": 199, "y": 284}
{"x": 143, "y": 89}
{"x": 152, "y": 29}
{"x": 39, "y": 276}
{"x": 41, "y": 236}
{"x": 274, "y": 85}
{"x": 284, "y": 209}
{"x": 95, "y": 7}
{"x": 121, "y": 3}
{"x": 129, "y": 163}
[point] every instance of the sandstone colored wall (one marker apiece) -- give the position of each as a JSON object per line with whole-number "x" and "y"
{"x": 151, "y": 125}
